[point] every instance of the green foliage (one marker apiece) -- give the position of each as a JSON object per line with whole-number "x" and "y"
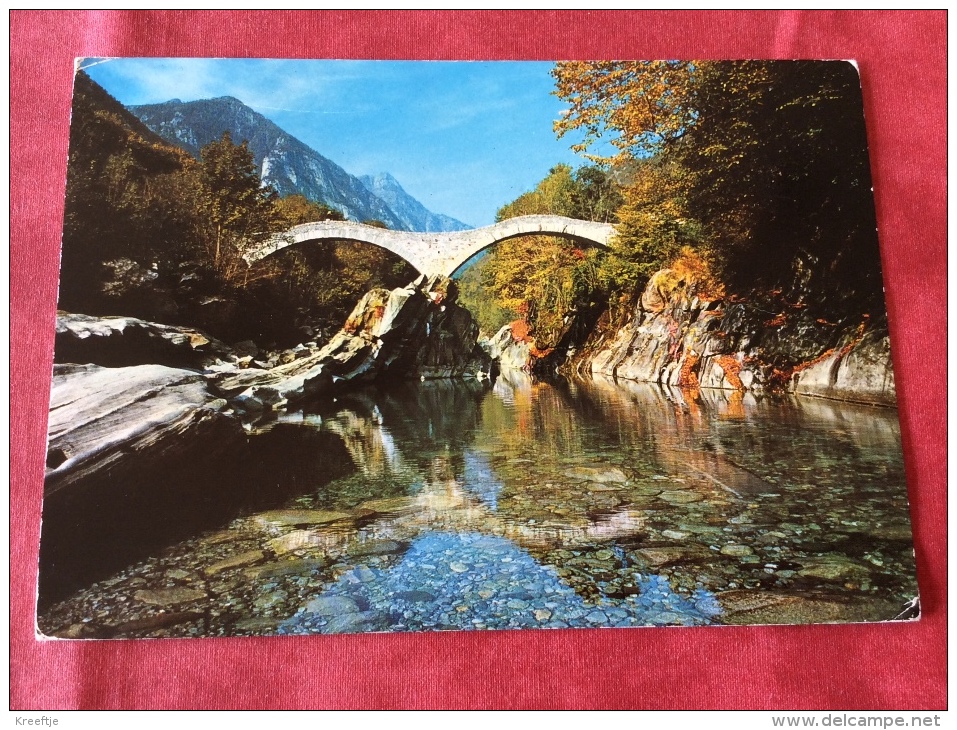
{"x": 474, "y": 295}
{"x": 127, "y": 196}
{"x": 545, "y": 278}
{"x": 595, "y": 195}
{"x": 782, "y": 174}
{"x": 237, "y": 210}
{"x": 296, "y": 209}
{"x": 654, "y": 224}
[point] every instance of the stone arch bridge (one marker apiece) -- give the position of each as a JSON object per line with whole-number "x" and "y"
{"x": 437, "y": 253}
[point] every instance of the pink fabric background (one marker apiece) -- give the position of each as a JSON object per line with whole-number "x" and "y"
{"x": 902, "y": 59}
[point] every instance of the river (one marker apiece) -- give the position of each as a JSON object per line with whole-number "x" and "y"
{"x": 591, "y": 503}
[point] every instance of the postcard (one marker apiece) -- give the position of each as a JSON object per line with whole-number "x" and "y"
{"x": 369, "y": 346}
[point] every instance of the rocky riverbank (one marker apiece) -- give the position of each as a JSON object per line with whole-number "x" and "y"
{"x": 507, "y": 350}
{"x": 416, "y": 332}
{"x": 679, "y": 336}
{"x": 147, "y": 420}
{"x": 151, "y": 436}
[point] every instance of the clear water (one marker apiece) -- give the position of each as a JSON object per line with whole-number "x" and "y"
{"x": 536, "y": 505}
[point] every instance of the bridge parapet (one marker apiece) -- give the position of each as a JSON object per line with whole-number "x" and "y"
{"x": 437, "y": 253}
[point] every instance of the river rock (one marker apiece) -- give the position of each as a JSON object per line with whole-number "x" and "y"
{"x": 764, "y": 607}
{"x": 377, "y": 547}
{"x": 258, "y": 624}
{"x": 285, "y": 567}
{"x": 674, "y": 534}
{"x": 235, "y": 561}
{"x": 899, "y": 531}
{"x": 295, "y": 540}
{"x": 269, "y": 600}
{"x": 331, "y": 605}
{"x": 773, "y": 537}
{"x": 169, "y": 596}
{"x": 414, "y": 332}
{"x": 350, "y": 623}
{"x": 736, "y": 551}
{"x": 597, "y": 474}
{"x": 129, "y": 422}
{"x": 657, "y": 557}
{"x": 680, "y": 496}
{"x": 389, "y": 505}
{"x": 833, "y": 567}
{"x": 127, "y": 341}
{"x": 298, "y": 517}
{"x": 415, "y": 596}
{"x": 147, "y": 624}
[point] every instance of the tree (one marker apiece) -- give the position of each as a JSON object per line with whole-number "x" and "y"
{"x": 646, "y": 104}
{"x": 239, "y": 210}
{"x": 767, "y": 159}
{"x": 654, "y": 224}
{"x": 129, "y": 197}
{"x": 547, "y": 277}
{"x": 296, "y": 209}
{"x": 595, "y": 195}
{"x": 781, "y": 174}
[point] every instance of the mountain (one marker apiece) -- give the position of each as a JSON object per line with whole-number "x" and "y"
{"x": 286, "y": 163}
{"x": 414, "y": 215}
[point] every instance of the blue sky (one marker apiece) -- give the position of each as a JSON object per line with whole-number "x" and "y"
{"x": 464, "y": 138}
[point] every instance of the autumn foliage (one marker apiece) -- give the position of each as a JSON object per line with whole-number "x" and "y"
{"x": 544, "y": 279}
{"x": 152, "y": 232}
{"x": 761, "y": 164}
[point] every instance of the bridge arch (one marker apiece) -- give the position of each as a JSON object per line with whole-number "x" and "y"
{"x": 437, "y": 253}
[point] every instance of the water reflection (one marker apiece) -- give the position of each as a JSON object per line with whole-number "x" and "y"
{"x": 611, "y": 482}
{"x": 582, "y": 503}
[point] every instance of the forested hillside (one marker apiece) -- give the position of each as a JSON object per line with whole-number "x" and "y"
{"x": 284, "y": 162}
{"x": 150, "y": 231}
{"x": 749, "y": 178}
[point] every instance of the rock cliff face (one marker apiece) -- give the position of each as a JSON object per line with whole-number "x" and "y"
{"x": 677, "y": 337}
{"x": 288, "y": 164}
{"x": 510, "y": 353}
{"x": 125, "y": 341}
{"x": 417, "y": 332}
{"x": 863, "y": 372}
{"x": 414, "y": 215}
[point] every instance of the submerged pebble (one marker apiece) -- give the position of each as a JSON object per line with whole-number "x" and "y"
{"x": 408, "y": 599}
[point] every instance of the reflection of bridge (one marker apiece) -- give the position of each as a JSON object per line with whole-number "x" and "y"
{"x": 437, "y": 253}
